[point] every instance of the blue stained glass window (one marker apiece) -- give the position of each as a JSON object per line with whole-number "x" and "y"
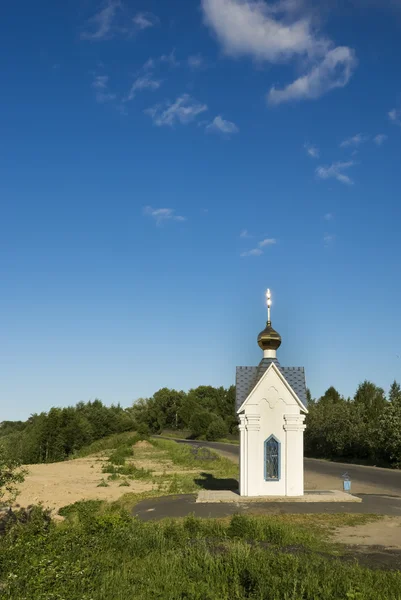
{"x": 272, "y": 459}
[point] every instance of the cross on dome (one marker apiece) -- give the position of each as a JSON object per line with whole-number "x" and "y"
{"x": 268, "y": 339}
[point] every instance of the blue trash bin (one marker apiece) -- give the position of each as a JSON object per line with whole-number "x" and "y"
{"x": 346, "y": 483}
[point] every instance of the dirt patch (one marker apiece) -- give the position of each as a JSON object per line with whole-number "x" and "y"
{"x": 143, "y": 444}
{"x": 59, "y": 484}
{"x": 385, "y": 533}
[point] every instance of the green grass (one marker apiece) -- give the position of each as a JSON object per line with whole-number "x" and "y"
{"x": 103, "y": 483}
{"x": 196, "y": 468}
{"x": 186, "y": 456}
{"x": 111, "y": 442}
{"x": 101, "y": 553}
{"x": 186, "y": 434}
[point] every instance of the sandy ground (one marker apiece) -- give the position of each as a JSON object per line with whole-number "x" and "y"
{"x": 385, "y": 532}
{"x": 59, "y": 484}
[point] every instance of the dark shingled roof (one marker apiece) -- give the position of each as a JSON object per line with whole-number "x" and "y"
{"x": 248, "y": 377}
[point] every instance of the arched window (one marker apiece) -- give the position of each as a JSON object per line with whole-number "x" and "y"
{"x": 272, "y": 459}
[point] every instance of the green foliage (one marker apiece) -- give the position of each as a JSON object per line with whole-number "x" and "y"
{"x": 62, "y": 432}
{"x": 216, "y": 430}
{"x": 331, "y": 396}
{"x": 372, "y": 398}
{"x": 367, "y": 428}
{"x": 85, "y": 510}
{"x": 188, "y": 457}
{"x": 200, "y": 421}
{"x": 195, "y": 410}
{"x": 111, "y": 442}
{"x": 11, "y": 474}
{"x": 120, "y": 454}
{"x": 117, "y": 464}
{"x": 394, "y": 395}
{"x": 103, "y": 483}
{"x": 102, "y": 553}
{"x": 77, "y": 431}
{"x": 389, "y": 434}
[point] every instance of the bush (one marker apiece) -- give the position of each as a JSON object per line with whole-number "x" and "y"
{"x": 118, "y": 456}
{"x": 216, "y": 430}
{"x": 143, "y": 430}
{"x": 200, "y": 422}
{"x": 11, "y": 474}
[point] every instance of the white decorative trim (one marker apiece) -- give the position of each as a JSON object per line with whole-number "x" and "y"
{"x": 273, "y": 397}
{"x": 294, "y": 423}
{"x": 241, "y": 425}
{"x": 253, "y": 422}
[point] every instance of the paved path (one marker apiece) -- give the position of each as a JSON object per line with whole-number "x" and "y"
{"x": 322, "y": 474}
{"x": 383, "y": 497}
{"x": 183, "y": 505}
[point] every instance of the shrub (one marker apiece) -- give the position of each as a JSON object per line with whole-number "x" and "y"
{"x": 216, "y": 430}
{"x": 200, "y": 422}
{"x": 143, "y": 430}
{"x": 11, "y": 474}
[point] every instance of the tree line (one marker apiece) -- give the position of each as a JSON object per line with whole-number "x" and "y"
{"x": 56, "y": 435}
{"x": 366, "y": 427}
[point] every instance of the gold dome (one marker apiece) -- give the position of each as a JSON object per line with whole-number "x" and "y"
{"x": 269, "y": 339}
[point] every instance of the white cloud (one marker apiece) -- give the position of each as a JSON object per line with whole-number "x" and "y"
{"x": 143, "y": 83}
{"x": 160, "y": 215}
{"x": 112, "y": 19}
{"x": 101, "y": 24}
{"x": 380, "y": 139}
{"x": 262, "y": 244}
{"x": 170, "y": 59}
{"x": 312, "y": 151}
{"x": 220, "y": 125}
{"x": 144, "y": 20}
{"x": 328, "y": 239}
{"x": 354, "y": 141}
{"x": 254, "y": 28}
{"x": 335, "y": 171}
{"x": 253, "y": 252}
{"x": 275, "y": 32}
{"x": 184, "y": 110}
{"x": 195, "y": 61}
{"x": 267, "y": 242}
{"x": 100, "y": 84}
{"x": 328, "y": 217}
{"x": 245, "y": 234}
{"x": 149, "y": 64}
{"x": 395, "y": 116}
{"x": 334, "y": 71}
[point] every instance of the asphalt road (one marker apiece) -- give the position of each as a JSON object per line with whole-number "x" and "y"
{"x": 384, "y": 497}
{"x": 185, "y": 504}
{"x": 381, "y": 481}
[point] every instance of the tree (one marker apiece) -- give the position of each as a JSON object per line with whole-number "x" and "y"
{"x": 394, "y": 394}
{"x": 200, "y": 422}
{"x": 372, "y": 398}
{"x": 390, "y": 434}
{"x": 332, "y": 396}
{"x": 216, "y": 430}
{"x": 11, "y": 474}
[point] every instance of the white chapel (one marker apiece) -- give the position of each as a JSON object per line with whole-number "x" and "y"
{"x": 271, "y": 406}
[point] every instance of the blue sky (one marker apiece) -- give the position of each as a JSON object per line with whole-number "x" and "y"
{"x": 163, "y": 163}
